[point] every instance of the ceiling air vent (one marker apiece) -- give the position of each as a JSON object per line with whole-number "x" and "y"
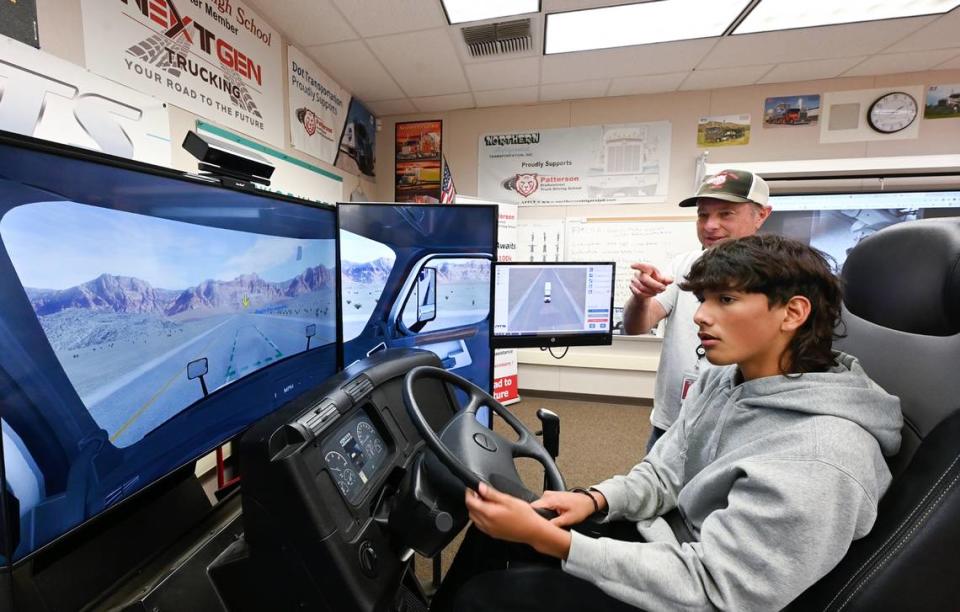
{"x": 498, "y": 38}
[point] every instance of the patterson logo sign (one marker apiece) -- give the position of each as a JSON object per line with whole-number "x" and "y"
{"x": 181, "y": 37}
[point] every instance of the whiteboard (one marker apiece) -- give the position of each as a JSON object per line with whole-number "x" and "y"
{"x": 627, "y": 241}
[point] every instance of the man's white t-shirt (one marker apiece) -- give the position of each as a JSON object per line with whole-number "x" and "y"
{"x": 679, "y": 364}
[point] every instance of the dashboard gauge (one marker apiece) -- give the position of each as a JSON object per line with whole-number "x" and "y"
{"x": 345, "y": 476}
{"x": 369, "y": 438}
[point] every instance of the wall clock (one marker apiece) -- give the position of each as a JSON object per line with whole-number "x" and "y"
{"x": 892, "y": 112}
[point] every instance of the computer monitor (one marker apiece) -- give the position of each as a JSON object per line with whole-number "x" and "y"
{"x": 146, "y": 317}
{"x": 553, "y": 304}
{"x": 835, "y": 222}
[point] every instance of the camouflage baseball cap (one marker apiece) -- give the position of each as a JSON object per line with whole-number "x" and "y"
{"x": 732, "y": 186}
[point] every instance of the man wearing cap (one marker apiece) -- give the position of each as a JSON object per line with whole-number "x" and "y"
{"x": 730, "y": 204}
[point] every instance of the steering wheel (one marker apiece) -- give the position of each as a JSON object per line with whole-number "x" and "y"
{"x": 473, "y": 453}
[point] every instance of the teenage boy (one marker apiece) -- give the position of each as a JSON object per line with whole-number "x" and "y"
{"x": 730, "y": 204}
{"x": 775, "y": 464}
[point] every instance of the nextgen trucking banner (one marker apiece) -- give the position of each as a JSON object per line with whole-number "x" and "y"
{"x": 594, "y": 164}
{"x": 215, "y": 58}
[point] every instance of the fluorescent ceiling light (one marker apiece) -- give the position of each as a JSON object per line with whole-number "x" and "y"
{"x": 460, "y": 11}
{"x": 639, "y": 24}
{"x": 789, "y": 14}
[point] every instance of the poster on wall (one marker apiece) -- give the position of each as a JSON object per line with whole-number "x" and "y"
{"x": 219, "y": 60}
{"x": 942, "y": 102}
{"x": 791, "y": 111}
{"x": 291, "y": 176}
{"x": 359, "y": 141}
{"x": 723, "y": 130}
{"x": 417, "y": 169}
{"x": 46, "y": 97}
{"x": 18, "y": 20}
{"x": 596, "y": 164}
{"x": 318, "y": 108}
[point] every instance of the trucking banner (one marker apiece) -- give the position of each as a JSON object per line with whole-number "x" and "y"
{"x": 215, "y": 58}
{"x": 318, "y": 108}
{"x": 46, "y": 97}
{"x": 596, "y": 164}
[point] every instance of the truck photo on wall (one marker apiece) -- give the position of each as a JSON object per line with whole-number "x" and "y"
{"x": 791, "y": 111}
{"x": 723, "y": 130}
{"x": 942, "y": 102}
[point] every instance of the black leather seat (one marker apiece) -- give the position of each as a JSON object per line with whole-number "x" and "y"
{"x": 902, "y": 318}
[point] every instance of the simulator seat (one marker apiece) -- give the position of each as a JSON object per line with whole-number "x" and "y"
{"x": 902, "y": 319}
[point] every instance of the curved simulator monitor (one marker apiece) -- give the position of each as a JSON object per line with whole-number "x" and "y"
{"x": 553, "y": 304}
{"x": 146, "y": 317}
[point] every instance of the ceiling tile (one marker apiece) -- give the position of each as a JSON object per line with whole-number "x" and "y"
{"x": 811, "y": 70}
{"x": 654, "y": 83}
{"x": 419, "y": 62}
{"x": 435, "y": 104}
{"x": 507, "y": 97}
{"x": 939, "y": 34}
{"x": 307, "y": 22}
{"x": 724, "y": 77}
{"x": 893, "y": 63}
{"x": 379, "y": 17}
{"x": 660, "y": 58}
{"x": 353, "y": 66}
{"x": 827, "y": 42}
{"x": 953, "y": 64}
{"x": 383, "y": 108}
{"x": 573, "y": 91}
{"x": 500, "y": 75}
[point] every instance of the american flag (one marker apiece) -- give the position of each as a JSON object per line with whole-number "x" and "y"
{"x": 447, "y": 189}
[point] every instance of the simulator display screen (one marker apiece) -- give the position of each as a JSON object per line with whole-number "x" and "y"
{"x": 835, "y": 223}
{"x": 544, "y": 304}
{"x": 418, "y": 277}
{"x": 146, "y": 319}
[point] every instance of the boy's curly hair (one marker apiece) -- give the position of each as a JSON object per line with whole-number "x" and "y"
{"x": 779, "y": 268}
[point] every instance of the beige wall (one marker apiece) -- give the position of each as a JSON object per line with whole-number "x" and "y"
{"x": 462, "y": 129}
{"x": 61, "y": 34}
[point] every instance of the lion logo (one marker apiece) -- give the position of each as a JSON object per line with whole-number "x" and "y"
{"x": 309, "y": 120}
{"x": 526, "y": 184}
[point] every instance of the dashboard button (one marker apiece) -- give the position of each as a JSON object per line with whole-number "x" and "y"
{"x": 368, "y": 559}
{"x": 485, "y": 442}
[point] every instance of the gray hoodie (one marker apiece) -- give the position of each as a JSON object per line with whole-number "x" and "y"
{"x": 774, "y": 478}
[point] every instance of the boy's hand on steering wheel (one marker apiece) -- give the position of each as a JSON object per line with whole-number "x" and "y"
{"x": 571, "y": 508}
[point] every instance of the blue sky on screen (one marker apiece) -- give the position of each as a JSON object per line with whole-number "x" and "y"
{"x": 56, "y": 245}
{"x": 360, "y": 249}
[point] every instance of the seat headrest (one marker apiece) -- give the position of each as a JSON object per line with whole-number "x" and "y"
{"x": 907, "y": 277}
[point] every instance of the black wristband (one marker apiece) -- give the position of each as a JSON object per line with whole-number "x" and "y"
{"x": 596, "y": 506}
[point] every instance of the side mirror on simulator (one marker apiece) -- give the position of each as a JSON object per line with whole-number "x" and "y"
{"x": 426, "y": 296}
{"x": 198, "y": 368}
{"x": 310, "y": 332}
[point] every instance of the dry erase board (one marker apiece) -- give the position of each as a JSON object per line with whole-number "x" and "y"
{"x": 629, "y": 240}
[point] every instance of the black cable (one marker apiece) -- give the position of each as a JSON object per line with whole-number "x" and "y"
{"x": 550, "y": 349}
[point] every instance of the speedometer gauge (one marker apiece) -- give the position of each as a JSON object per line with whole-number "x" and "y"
{"x": 369, "y": 438}
{"x": 344, "y": 475}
